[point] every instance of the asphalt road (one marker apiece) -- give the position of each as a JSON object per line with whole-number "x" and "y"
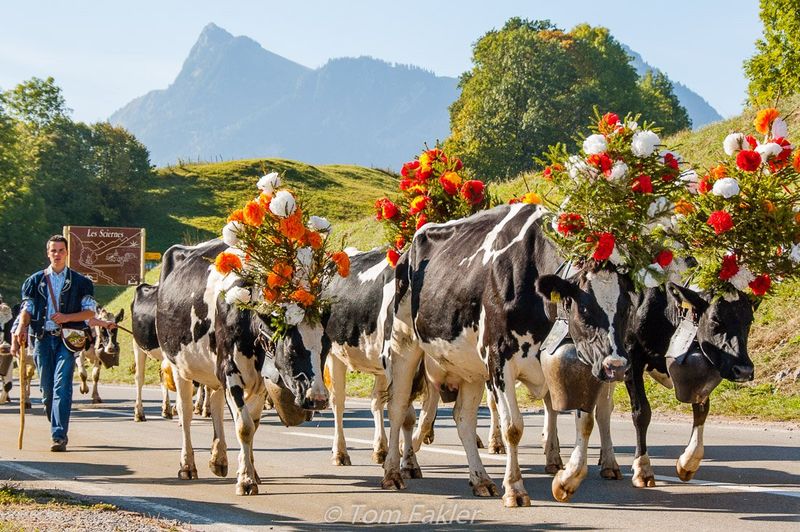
{"x": 750, "y": 478}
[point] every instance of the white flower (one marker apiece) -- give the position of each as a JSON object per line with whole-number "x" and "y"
{"x": 769, "y": 150}
{"x": 595, "y": 144}
{"x": 727, "y": 187}
{"x": 268, "y": 183}
{"x": 651, "y": 276}
{"x": 659, "y": 207}
{"x": 632, "y": 125}
{"x": 690, "y": 178}
{"x": 733, "y": 143}
{"x": 618, "y": 171}
{"x": 644, "y": 143}
{"x": 779, "y": 128}
{"x": 577, "y": 167}
{"x": 283, "y": 204}
{"x": 230, "y": 233}
{"x": 742, "y": 278}
{"x": 795, "y": 256}
{"x": 294, "y": 314}
{"x": 237, "y": 294}
{"x": 318, "y": 223}
{"x": 304, "y": 256}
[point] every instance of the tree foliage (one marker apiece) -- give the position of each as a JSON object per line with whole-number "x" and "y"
{"x": 774, "y": 70}
{"x": 533, "y": 84}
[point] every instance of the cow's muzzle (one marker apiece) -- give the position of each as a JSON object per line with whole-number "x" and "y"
{"x": 742, "y": 373}
{"x": 615, "y": 368}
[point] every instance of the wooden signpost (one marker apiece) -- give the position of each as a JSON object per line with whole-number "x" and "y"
{"x": 110, "y": 256}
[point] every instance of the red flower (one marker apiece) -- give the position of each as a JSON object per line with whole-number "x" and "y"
{"x": 418, "y": 204}
{"x": 421, "y": 220}
{"x": 385, "y": 209}
{"x": 450, "y": 182}
{"x": 642, "y": 184}
{"x": 729, "y": 267}
{"x": 424, "y": 174}
{"x": 721, "y": 221}
{"x": 408, "y": 168}
{"x": 399, "y": 242}
{"x": 748, "y": 160}
{"x": 601, "y": 161}
{"x": 760, "y": 285}
{"x": 472, "y": 191}
{"x": 670, "y": 161}
{"x": 605, "y": 246}
{"x": 570, "y": 222}
{"x": 664, "y": 258}
{"x": 457, "y": 165}
{"x": 611, "y": 119}
{"x": 704, "y": 185}
{"x": 787, "y": 149}
{"x": 392, "y": 256}
{"x": 751, "y": 140}
{"x": 405, "y": 183}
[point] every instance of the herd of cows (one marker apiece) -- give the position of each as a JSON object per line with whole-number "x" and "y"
{"x": 475, "y": 305}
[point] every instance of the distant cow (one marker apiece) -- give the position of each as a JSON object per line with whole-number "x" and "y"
{"x": 7, "y": 316}
{"x": 477, "y": 297}
{"x": 104, "y": 342}
{"x": 208, "y": 341}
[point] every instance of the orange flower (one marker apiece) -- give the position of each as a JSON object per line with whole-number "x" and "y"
{"x": 450, "y": 182}
{"x": 314, "y": 239}
{"x": 418, "y": 204}
{"x": 292, "y": 226}
{"x": 227, "y": 262}
{"x": 264, "y": 198}
{"x": 236, "y": 216}
{"x": 796, "y": 161}
{"x": 280, "y": 275}
{"x": 797, "y": 218}
{"x": 303, "y": 297}
{"x": 270, "y": 294}
{"x": 718, "y": 172}
{"x": 392, "y": 256}
{"x": 342, "y": 261}
{"x": 254, "y": 213}
{"x": 683, "y": 207}
{"x": 532, "y": 197}
{"x": 399, "y": 242}
{"x": 764, "y": 119}
{"x": 768, "y": 206}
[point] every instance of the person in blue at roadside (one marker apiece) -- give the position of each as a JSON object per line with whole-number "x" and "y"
{"x": 53, "y": 298}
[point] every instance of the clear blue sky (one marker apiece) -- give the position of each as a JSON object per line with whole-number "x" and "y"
{"x": 105, "y": 53}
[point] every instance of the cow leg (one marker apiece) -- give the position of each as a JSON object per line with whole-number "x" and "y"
{"x": 550, "y": 444}
{"x": 427, "y": 417}
{"x": 139, "y": 359}
{"x": 378, "y": 402}
{"x": 199, "y": 399}
{"x": 95, "y": 379}
{"x": 219, "y": 449}
{"x": 409, "y": 467}
{"x": 5, "y": 387}
{"x": 567, "y": 481}
{"x": 338, "y": 372}
{"x": 609, "y": 469}
{"x": 184, "y": 389}
{"x": 206, "y": 411}
{"x": 82, "y": 373}
{"x": 495, "y": 437}
{"x": 643, "y": 474}
{"x": 512, "y": 428}
{"x": 247, "y": 479}
{"x": 689, "y": 461}
{"x": 465, "y": 414}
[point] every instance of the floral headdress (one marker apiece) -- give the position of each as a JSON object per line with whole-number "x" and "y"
{"x": 431, "y": 190}
{"x": 281, "y": 255}
{"x": 614, "y": 199}
{"x": 742, "y": 221}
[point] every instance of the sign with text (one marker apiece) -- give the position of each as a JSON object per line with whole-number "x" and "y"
{"x": 111, "y": 256}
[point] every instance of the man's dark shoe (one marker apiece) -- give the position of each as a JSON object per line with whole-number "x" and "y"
{"x": 59, "y": 445}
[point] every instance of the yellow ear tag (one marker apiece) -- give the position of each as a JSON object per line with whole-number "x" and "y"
{"x": 686, "y": 305}
{"x": 555, "y": 297}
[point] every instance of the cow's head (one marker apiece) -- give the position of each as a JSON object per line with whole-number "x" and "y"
{"x": 598, "y": 304}
{"x": 107, "y": 340}
{"x": 723, "y": 326}
{"x": 299, "y": 359}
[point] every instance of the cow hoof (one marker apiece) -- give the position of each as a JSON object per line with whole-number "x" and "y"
{"x": 516, "y": 499}
{"x": 485, "y": 488}
{"x": 684, "y": 474}
{"x": 428, "y": 439}
{"x": 411, "y": 472}
{"x": 561, "y": 492}
{"x": 479, "y": 442}
{"x": 187, "y": 473}
{"x": 379, "y": 456}
{"x": 96, "y": 400}
{"x": 247, "y": 487}
{"x": 138, "y": 416}
{"x": 552, "y": 469}
{"x": 166, "y": 414}
{"x": 643, "y": 481}
{"x": 611, "y": 473}
{"x": 220, "y": 470}
{"x": 393, "y": 480}
{"x": 84, "y": 389}
{"x": 207, "y": 413}
{"x": 28, "y": 405}
{"x": 340, "y": 459}
{"x": 496, "y": 447}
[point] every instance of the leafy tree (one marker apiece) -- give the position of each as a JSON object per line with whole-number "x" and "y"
{"x": 774, "y": 70}
{"x": 37, "y": 103}
{"x": 660, "y": 105}
{"x": 533, "y": 84}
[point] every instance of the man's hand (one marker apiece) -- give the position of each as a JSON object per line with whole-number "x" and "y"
{"x": 21, "y": 335}
{"x": 59, "y": 318}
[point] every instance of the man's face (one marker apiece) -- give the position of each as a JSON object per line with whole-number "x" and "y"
{"x": 57, "y": 253}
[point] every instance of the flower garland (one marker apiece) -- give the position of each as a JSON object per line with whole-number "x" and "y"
{"x": 431, "y": 190}
{"x": 281, "y": 255}
{"x": 614, "y": 199}
{"x": 742, "y": 221}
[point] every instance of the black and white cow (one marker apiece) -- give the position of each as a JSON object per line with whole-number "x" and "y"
{"x": 695, "y": 366}
{"x": 215, "y": 344}
{"x": 475, "y": 296}
{"x": 7, "y": 316}
{"x": 104, "y": 342}
{"x": 357, "y": 324}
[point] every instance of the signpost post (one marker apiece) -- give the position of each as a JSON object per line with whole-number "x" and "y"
{"x": 110, "y": 256}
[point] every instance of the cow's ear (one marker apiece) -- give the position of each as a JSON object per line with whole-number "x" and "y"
{"x": 120, "y": 315}
{"x": 553, "y": 288}
{"x": 687, "y": 298}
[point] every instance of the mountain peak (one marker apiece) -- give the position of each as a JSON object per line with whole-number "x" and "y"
{"x": 214, "y": 34}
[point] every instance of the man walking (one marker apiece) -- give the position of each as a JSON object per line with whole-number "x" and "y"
{"x": 53, "y": 298}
